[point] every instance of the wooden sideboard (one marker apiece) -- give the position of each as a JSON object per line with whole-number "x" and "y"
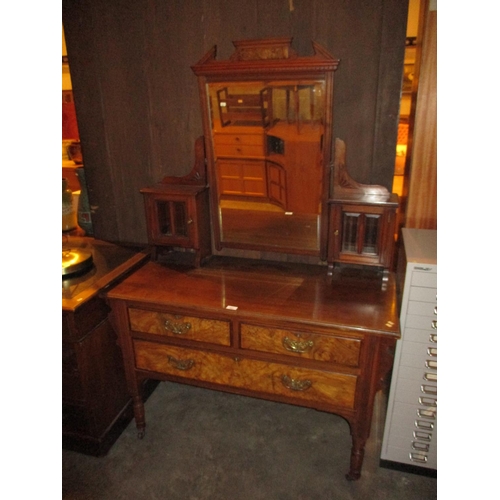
{"x": 277, "y": 331}
{"x": 96, "y": 405}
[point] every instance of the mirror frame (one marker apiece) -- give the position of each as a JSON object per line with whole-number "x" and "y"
{"x": 267, "y": 59}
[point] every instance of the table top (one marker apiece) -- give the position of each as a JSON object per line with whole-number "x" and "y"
{"x": 109, "y": 263}
{"x": 354, "y": 299}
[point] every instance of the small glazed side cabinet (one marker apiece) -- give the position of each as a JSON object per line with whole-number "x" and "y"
{"x": 177, "y": 218}
{"x": 362, "y": 232}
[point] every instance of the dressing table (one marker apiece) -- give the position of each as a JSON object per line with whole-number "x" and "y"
{"x": 217, "y": 307}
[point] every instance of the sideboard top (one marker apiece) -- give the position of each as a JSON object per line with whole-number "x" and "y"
{"x": 354, "y": 301}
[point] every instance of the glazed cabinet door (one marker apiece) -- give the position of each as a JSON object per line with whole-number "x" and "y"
{"x": 171, "y": 220}
{"x": 361, "y": 234}
{"x": 177, "y": 217}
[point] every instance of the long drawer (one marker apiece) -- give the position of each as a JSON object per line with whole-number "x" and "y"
{"x": 334, "y": 389}
{"x": 180, "y": 326}
{"x": 340, "y": 350}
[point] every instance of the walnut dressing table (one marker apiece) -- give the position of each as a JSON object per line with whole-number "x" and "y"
{"x": 261, "y": 187}
{"x": 283, "y": 332}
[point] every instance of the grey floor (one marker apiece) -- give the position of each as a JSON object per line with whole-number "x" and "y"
{"x": 203, "y": 444}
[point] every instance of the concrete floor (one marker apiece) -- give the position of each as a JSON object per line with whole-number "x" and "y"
{"x": 202, "y": 444}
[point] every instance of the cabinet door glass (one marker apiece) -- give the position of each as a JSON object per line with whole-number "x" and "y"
{"x": 370, "y": 234}
{"x": 360, "y": 233}
{"x": 350, "y": 232}
{"x": 172, "y": 220}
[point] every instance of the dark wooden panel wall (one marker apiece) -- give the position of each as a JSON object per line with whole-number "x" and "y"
{"x": 136, "y": 96}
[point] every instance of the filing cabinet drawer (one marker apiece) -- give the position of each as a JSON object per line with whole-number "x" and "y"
{"x": 333, "y": 389}
{"x": 418, "y": 308}
{"x": 424, "y": 279}
{"x": 179, "y": 326}
{"x": 330, "y": 349}
{"x": 422, "y": 294}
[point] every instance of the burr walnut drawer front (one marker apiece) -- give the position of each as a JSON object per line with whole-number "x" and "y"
{"x": 179, "y": 326}
{"x": 331, "y": 349}
{"x": 335, "y": 389}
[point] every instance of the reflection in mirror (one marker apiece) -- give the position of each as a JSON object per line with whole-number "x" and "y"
{"x": 268, "y": 142}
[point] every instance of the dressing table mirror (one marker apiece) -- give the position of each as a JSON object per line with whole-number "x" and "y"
{"x": 263, "y": 182}
{"x": 267, "y": 122}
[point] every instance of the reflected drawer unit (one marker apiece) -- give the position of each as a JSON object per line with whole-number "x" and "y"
{"x": 410, "y": 434}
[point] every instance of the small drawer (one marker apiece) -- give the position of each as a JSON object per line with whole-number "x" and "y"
{"x": 421, "y": 308}
{"x": 422, "y": 294}
{"x": 428, "y": 323}
{"x": 422, "y": 278}
{"x": 339, "y": 350}
{"x": 308, "y": 385}
{"x": 239, "y": 139}
{"x": 416, "y": 334}
{"x": 239, "y": 145}
{"x": 179, "y": 326}
{"x": 244, "y": 150}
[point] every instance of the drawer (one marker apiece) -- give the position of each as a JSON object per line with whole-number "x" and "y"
{"x": 428, "y": 323}
{"x": 244, "y": 150}
{"x": 410, "y": 392}
{"x": 239, "y": 145}
{"x": 340, "y": 350}
{"x": 425, "y": 279}
{"x": 413, "y": 442}
{"x": 315, "y": 386}
{"x": 179, "y": 326}
{"x": 419, "y": 459}
{"x": 421, "y": 294}
{"x": 420, "y": 336}
{"x": 239, "y": 139}
{"x": 423, "y": 418}
{"x": 422, "y": 308}
{"x": 410, "y": 433}
{"x": 418, "y": 356}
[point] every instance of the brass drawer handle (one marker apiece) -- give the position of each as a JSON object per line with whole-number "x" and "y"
{"x": 295, "y": 385}
{"x": 181, "y": 364}
{"x": 177, "y": 328}
{"x": 434, "y": 324}
{"x": 299, "y": 346}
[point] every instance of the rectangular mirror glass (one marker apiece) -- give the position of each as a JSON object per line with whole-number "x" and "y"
{"x": 267, "y": 140}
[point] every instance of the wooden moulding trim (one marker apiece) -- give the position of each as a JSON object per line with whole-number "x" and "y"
{"x": 320, "y": 62}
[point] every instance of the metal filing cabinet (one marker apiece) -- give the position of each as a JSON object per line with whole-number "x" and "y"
{"x": 410, "y": 434}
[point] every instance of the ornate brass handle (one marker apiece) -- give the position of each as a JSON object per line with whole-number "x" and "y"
{"x": 181, "y": 364}
{"x": 297, "y": 345}
{"x": 295, "y": 385}
{"x": 177, "y": 328}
